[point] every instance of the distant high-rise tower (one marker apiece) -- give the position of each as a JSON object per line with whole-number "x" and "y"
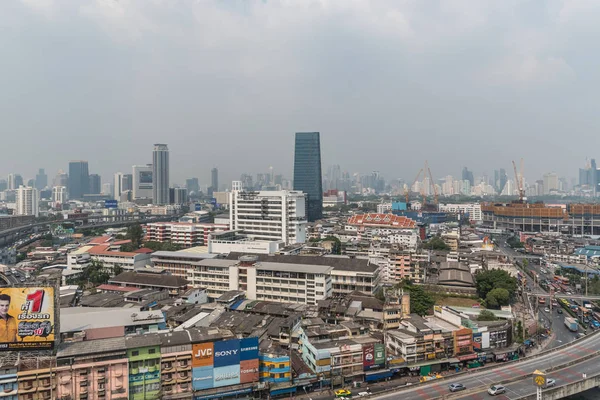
{"x": 61, "y": 179}
{"x": 468, "y": 176}
{"x": 118, "y": 185}
{"x": 192, "y": 185}
{"x": 160, "y": 174}
{"x": 79, "y": 179}
{"x": 214, "y": 179}
{"x": 307, "y": 172}
{"x": 41, "y": 179}
{"x": 95, "y": 184}
{"x": 142, "y": 181}
{"x": 27, "y": 201}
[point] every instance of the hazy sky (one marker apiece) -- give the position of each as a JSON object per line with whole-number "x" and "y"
{"x": 388, "y": 83}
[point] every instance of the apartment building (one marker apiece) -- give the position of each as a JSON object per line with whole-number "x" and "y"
{"x": 185, "y": 234}
{"x": 37, "y": 384}
{"x": 383, "y": 227}
{"x": 406, "y": 264}
{"x": 176, "y": 364}
{"x": 269, "y": 215}
{"x": 143, "y": 352}
{"x": 8, "y": 383}
{"x": 81, "y": 257}
{"x": 27, "y": 201}
{"x": 239, "y": 242}
{"x": 473, "y": 210}
{"x": 420, "y": 345}
{"x": 272, "y": 281}
{"x": 95, "y": 369}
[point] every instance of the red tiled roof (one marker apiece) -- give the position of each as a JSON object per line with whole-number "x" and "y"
{"x": 100, "y": 240}
{"x": 391, "y": 220}
{"x": 116, "y": 288}
{"x": 144, "y": 250}
{"x": 103, "y": 251}
{"x": 117, "y": 242}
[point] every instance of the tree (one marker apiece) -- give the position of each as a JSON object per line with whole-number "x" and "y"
{"x": 421, "y": 302}
{"x": 94, "y": 274}
{"x": 117, "y": 270}
{"x": 162, "y": 246}
{"x": 494, "y": 278}
{"x": 520, "y": 332}
{"x": 135, "y": 233}
{"x": 486, "y": 315}
{"x": 436, "y": 243}
{"x": 337, "y": 245}
{"x": 497, "y": 297}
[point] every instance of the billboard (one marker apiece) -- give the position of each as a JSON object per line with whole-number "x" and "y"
{"x": 197, "y": 207}
{"x": 249, "y": 371}
{"x": 202, "y": 378}
{"x": 28, "y": 314}
{"x": 227, "y": 352}
{"x": 227, "y": 375}
{"x": 249, "y": 349}
{"x": 110, "y": 203}
{"x": 379, "y": 354}
{"x": 368, "y": 356}
{"x": 202, "y": 355}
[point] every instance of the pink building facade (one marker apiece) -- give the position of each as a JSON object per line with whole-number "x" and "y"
{"x": 95, "y": 369}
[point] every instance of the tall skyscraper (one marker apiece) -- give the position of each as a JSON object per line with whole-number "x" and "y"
{"x": 127, "y": 182}
{"x": 468, "y": 176}
{"x": 18, "y": 181}
{"x": 307, "y": 172}
{"x": 142, "y": 181}
{"x": 118, "y": 185}
{"x": 79, "y": 179}
{"x": 160, "y": 174}
{"x": 59, "y": 195}
{"x": 41, "y": 179}
{"x": 3, "y": 185}
{"x": 95, "y": 184}
{"x": 214, "y": 179}
{"x": 27, "y": 201}
{"x": 192, "y": 185}
{"x": 61, "y": 179}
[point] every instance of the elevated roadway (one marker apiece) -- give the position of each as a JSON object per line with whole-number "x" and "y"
{"x": 569, "y": 362}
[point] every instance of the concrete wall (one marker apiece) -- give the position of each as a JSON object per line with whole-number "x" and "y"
{"x": 561, "y": 392}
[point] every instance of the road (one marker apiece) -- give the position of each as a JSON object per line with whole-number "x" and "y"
{"x": 561, "y": 335}
{"x": 484, "y": 378}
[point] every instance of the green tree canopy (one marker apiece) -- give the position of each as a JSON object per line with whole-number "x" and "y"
{"x": 135, "y": 233}
{"x": 493, "y": 279}
{"x": 436, "y": 243}
{"x": 486, "y": 315}
{"x": 497, "y": 297}
{"x": 162, "y": 246}
{"x": 421, "y": 302}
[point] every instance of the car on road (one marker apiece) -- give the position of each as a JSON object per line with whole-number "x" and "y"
{"x": 456, "y": 387}
{"x": 364, "y": 394}
{"x": 343, "y": 394}
{"x": 495, "y": 390}
{"x": 549, "y": 383}
{"x": 560, "y": 311}
{"x": 546, "y": 309}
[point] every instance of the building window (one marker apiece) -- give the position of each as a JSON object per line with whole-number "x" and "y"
{"x": 135, "y": 353}
{"x": 151, "y": 351}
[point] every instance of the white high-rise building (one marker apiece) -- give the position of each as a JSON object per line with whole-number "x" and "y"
{"x": 160, "y": 174}
{"x": 118, "y": 185}
{"x": 473, "y": 209}
{"x": 27, "y": 201}
{"x": 142, "y": 181}
{"x": 59, "y": 195}
{"x": 269, "y": 215}
{"x": 107, "y": 189}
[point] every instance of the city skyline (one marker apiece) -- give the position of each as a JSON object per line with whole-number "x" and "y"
{"x": 382, "y": 82}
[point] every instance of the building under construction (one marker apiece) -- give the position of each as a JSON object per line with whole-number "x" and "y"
{"x": 575, "y": 219}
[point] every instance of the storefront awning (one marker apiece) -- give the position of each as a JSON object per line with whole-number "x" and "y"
{"x": 468, "y": 357}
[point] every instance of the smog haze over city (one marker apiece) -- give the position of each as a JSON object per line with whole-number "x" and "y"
{"x": 388, "y": 84}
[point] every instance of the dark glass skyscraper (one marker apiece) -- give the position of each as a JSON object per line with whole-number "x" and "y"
{"x": 160, "y": 173}
{"x": 79, "y": 179}
{"x": 307, "y": 172}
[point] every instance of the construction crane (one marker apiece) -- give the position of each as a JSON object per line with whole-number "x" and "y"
{"x": 409, "y": 188}
{"x": 435, "y": 192}
{"x": 519, "y": 182}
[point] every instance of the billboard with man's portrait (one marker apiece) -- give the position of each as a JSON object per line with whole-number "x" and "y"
{"x": 27, "y": 320}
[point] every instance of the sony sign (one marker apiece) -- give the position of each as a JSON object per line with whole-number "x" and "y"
{"x": 225, "y": 353}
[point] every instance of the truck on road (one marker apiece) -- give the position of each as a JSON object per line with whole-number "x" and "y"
{"x": 571, "y": 324}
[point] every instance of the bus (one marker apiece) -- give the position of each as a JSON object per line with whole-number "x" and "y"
{"x": 561, "y": 279}
{"x": 542, "y": 300}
